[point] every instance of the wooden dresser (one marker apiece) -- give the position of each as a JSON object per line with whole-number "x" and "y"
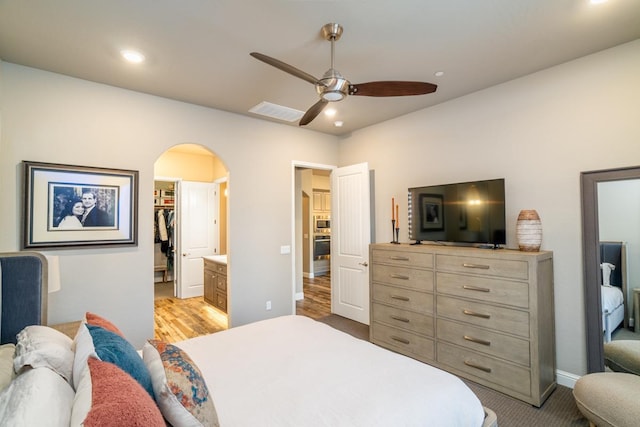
{"x": 486, "y": 315}
{"x": 215, "y": 283}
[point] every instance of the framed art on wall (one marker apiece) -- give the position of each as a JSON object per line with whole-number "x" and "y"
{"x": 71, "y": 206}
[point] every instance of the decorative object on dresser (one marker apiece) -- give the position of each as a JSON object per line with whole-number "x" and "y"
{"x": 529, "y": 230}
{"x": 215, "y": 281}
{"x": 486, "y": 315}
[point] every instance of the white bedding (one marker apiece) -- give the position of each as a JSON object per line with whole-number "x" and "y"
{"x": 611, "y": 298}
{"x": 294, "y": 371}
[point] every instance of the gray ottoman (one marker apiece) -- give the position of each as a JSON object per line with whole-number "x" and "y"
{"x": 609, "y": 399}
{"x": 623, "y": 356}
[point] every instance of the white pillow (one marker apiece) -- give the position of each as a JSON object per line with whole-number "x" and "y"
{"x": 83, "y": 346}
{"x": 7, "y": 374}
{"x": 37, "y": 397}
{"x": 41, "y": 346}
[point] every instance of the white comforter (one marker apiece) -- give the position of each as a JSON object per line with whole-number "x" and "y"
{"x": 294, "y": 371}
{"x": 611, "y": 298}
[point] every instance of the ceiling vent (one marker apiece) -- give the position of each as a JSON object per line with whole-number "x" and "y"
{"x": 276, "y": 111}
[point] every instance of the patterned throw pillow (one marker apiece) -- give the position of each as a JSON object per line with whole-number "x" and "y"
{"x": 181, "y": 392}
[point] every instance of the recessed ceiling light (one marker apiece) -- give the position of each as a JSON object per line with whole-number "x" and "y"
{"x": 330, "y": 112}
{"x": 132, "y": 56}
{"x": 338, "y": 123}
{"x": 598, "y": 1}
{"x": 439, "y": 73}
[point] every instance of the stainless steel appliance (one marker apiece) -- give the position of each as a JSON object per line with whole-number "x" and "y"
{"x": 322, "y": 223}
{"x": 321, "y": 246}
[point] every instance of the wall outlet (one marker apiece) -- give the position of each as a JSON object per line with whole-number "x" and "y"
{"x": 268, "y": 305}
{"x": 285, "y": 250}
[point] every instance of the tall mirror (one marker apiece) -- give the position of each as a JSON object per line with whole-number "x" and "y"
{"x": 610, "y": 213}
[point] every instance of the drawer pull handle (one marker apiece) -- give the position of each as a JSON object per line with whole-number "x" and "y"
{"x": 401, "y": 319}
{"x": 475, "y": 288}
{"x": 473, "y": 313}
{"x": 475, "y": 365}
{"x": 399, "y": 258}
{"x": 401, "y": 298}
{"x": 480, "y": 266}
{"x": 399, "y": 276}
{"x": 402, "y": 340}
{"x": 477, "y": 340}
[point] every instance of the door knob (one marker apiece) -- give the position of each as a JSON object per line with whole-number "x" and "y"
{"x": 364, "y": 264}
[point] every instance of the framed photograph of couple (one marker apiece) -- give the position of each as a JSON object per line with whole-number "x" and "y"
{"x": 79, "y": 206}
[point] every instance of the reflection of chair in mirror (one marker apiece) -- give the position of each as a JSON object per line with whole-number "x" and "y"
{"x": 623, "y": 356}
{"x": 613, "y": 263}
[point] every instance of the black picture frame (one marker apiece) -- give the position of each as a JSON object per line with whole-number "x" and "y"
{"x": 67, "y": 206}
{"x": 432, "y": 213}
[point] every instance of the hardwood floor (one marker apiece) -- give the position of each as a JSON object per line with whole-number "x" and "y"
{"x": 317, "y": 297}
{"x": 178, "y": 319}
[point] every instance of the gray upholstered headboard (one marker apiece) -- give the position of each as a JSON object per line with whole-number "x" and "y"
{"x": 615, "y": 253}
{"x": 23, "y": 292}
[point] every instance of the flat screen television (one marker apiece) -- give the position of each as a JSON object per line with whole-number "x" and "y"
{"x": 466, "y": 213}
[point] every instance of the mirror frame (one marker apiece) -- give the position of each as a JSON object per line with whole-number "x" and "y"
{"x": 591, "y": 257}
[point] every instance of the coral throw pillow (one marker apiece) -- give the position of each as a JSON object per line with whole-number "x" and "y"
{"x": 118, "y": 400}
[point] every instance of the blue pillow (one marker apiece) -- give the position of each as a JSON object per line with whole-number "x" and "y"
{"x": 111, "y": 347}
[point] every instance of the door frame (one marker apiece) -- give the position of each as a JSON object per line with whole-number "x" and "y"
{"x": 295, "y": 199}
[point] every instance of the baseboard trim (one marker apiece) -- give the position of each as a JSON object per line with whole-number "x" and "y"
{"x": 566, "y": 379}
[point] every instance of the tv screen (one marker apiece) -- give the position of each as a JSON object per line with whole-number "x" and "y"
{"x": 471, "y": 213}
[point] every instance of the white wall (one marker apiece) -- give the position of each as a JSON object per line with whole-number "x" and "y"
{"x": 53, "y": 118}
{"x": 538, "y": 132}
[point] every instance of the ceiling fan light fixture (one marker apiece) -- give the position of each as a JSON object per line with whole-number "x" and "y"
{"x": 332, "y": 96}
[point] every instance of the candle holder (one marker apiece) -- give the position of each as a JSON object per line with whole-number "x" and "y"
{"x": 397, "y": 235}
{"x": 393, "y": 227}
{"x": 394, "y": 232}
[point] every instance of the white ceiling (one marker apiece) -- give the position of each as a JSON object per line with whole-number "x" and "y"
{"x": 198, "y": 51}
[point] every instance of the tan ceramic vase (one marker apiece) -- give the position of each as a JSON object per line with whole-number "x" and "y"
{"x": 529, "y": 231}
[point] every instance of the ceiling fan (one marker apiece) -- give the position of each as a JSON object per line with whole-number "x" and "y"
{"x": 334, "y": 87}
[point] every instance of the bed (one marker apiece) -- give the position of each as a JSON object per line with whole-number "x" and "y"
{"x": 285, "y": 371}
{"x": 613, "y": 289}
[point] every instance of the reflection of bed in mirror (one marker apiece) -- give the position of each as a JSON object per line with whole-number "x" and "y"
{"x": 613, "y": 265}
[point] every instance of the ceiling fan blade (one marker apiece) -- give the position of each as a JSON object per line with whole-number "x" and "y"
{"x": 285, "y": 67}
{"x": 392, "y": 88}
{"x": 313, "y": 112}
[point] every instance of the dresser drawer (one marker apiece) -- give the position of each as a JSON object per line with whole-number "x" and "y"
{"x": 221, "y": 283}
{"x": 507, "y": 320}
{"x": 511, "y": 269}
{"x": 484, "y": 289}
{"x": 485, "y": 341}
{"x": 403, "y": 276}
{"x": 487, "y": 368}
{"x": 402, "y": 298}
{"x": 414, "y": 259}
{"x": 403, "y": 342}
{"x": 416, "y": 322}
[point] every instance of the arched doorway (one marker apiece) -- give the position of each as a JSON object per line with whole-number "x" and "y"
{"x": 190, "y": 222}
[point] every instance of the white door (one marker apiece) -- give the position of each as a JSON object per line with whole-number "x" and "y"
{"x": 350, "y": 239}
{"x": 196, "y": 234}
